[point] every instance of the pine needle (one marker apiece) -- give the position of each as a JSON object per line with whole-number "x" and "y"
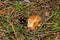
{"x": 14, "y": 31}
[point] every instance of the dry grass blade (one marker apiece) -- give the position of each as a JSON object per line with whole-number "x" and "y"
{"x": 14, "y": 31}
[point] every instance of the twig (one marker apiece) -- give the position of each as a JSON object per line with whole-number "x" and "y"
{"x": 14, "y": 31}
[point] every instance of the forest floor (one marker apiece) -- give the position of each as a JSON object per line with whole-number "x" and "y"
{"x": 12, "y": 28}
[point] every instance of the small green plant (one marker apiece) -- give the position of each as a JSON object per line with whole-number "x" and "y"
{"x": 19, "y": 7}
{"x": 56, "y": 21}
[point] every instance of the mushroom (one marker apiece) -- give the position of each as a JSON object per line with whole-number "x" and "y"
{"x": 34, "y": 21}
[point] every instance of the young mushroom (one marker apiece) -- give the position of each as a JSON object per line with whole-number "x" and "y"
{"x": 34, "y": 21}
